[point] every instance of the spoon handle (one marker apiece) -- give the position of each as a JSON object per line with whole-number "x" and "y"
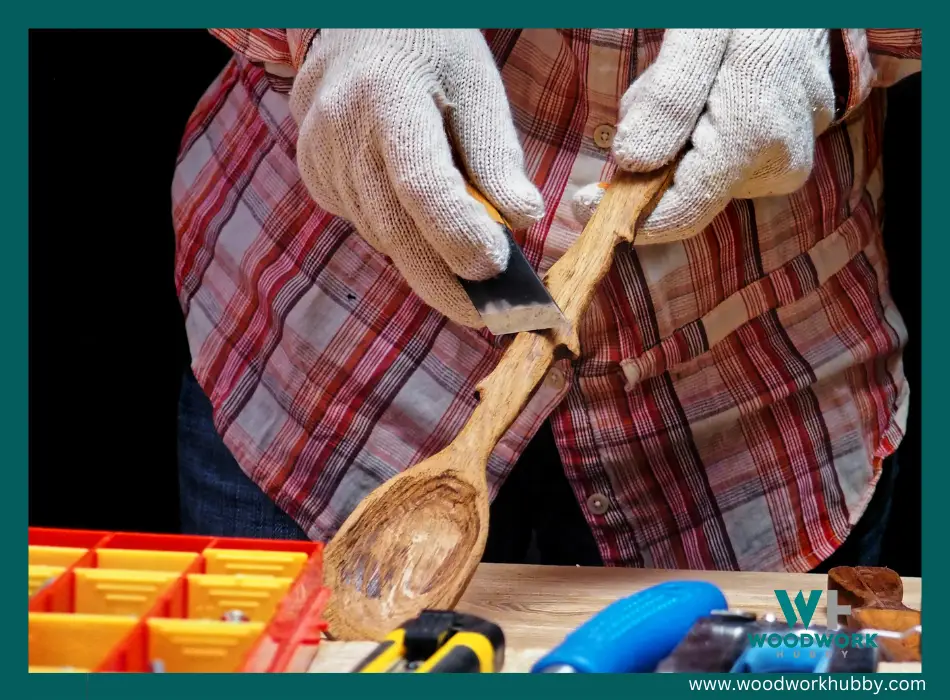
{"x": 572, "y": 282}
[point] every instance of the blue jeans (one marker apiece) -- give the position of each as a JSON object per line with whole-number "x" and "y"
{"x": 217, "y": 498}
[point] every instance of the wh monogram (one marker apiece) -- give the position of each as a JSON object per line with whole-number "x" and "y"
{"x": 806, "y": 608}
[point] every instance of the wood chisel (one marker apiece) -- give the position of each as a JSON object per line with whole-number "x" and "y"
{"x": 516, "y": 300}
{"x": 634, "y": 634}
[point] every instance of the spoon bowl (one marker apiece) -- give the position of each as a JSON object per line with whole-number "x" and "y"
{"x": 410, "y": 551}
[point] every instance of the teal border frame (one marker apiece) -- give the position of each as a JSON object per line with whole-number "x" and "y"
{"x": 14, "y": 396}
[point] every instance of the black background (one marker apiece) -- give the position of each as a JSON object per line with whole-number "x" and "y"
{"x": 107, "y": 345}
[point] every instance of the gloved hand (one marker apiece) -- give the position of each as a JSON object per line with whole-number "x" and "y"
{"x": 380, "y": 112}
{"x": 750, "y": 102}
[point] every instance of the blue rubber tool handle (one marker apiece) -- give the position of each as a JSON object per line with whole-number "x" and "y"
{"x": 633, "y": 634}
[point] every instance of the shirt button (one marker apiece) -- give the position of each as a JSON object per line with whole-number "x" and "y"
{"x": 597, "y": 503}
{"x": 556, "y": 379}
{"x": 604, "y": 135}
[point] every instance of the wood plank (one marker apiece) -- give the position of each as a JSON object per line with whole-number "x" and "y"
{"x": 339, "y": 657}
{"x": 537, "y": 606}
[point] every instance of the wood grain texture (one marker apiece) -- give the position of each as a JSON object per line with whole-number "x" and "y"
{"x": 538, "y": 606}
{"x": 867, "y": 586}
{"x": 403, "y": 549}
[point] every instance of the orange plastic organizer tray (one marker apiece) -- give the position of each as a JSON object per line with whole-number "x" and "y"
{"x": 116, "y": 602}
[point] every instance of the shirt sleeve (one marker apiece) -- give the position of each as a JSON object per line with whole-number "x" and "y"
{"x": 895, "y": 54}
{"x": 864, "y": 59}
{"x": 285, "y": 47}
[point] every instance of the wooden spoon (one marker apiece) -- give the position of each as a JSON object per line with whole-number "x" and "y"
{"x": 415, "y": 541}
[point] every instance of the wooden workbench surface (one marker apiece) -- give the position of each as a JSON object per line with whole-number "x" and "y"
{"x": 537, "y": 606}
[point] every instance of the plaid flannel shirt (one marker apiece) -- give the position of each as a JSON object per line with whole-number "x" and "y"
{"x": 737, "y": 392}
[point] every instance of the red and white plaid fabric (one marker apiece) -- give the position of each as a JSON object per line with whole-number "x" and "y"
{"x": 737, "y": 391}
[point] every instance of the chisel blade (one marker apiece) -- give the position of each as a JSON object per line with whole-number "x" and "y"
{"x": 516, "y": 300}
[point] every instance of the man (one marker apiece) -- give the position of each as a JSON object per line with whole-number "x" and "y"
{"x": 740, "y": 389}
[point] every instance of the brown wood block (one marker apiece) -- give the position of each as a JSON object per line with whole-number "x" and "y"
{"x": 876, "y": 597}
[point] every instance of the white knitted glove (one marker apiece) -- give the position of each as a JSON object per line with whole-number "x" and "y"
{"x": 380, "y": 113}
{"x": 749, "y": 101}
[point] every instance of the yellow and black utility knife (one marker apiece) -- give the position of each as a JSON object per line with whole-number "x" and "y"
{"x": 439, "y": 641}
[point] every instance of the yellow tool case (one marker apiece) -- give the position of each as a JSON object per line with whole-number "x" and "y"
{"x": 142, "y": 603}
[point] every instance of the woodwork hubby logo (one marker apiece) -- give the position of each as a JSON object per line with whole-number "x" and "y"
{"x": 817, "y": 640}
